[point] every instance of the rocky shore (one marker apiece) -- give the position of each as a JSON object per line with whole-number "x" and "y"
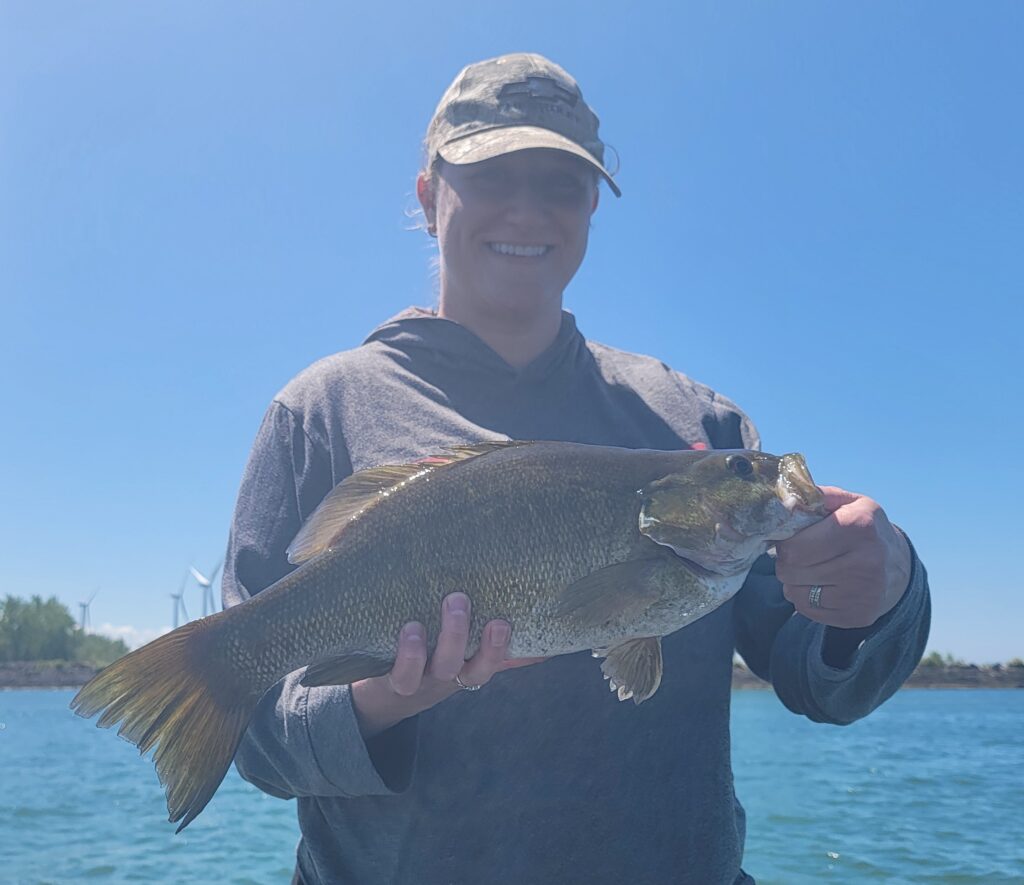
{"x": 965, "y": 676}
{"x": 44, "y": 674}
{"x": 64, "y": 674}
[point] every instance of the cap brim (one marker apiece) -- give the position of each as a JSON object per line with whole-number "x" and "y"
{"x": 492, "y": 143}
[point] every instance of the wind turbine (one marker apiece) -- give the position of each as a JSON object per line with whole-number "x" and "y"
{"x": 207, "y": 584}
{"x": 84, "y": 606}
{"x": 179, "y": 602}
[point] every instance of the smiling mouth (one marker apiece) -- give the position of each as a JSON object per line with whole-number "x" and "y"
{"x": 519, "y": 251}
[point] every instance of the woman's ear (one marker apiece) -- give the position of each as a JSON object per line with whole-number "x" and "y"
{"x": 425, "y": 194}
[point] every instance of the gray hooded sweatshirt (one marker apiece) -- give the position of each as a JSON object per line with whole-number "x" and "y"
{"x": 542, "y": 776}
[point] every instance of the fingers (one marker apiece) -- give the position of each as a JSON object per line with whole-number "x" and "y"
{"x": 854, "y": 555}
{"x": 407, "y": 673}
{"x": 380, "y": 702}
{"x": 418, "y": 680}
{"x": 450, "y": 652}
{"x": 800, "y": 596}
{"x": 490, "y": 657}
{"x": 413, "y": 666}
{"x": 835, "y": 606}
{"x": 835, "y": 497}
{"x": 416, "y": 672}
{"x": 837, "y": 570}
{"x": 854, "y": 526}
{"x": 449, "y": 657}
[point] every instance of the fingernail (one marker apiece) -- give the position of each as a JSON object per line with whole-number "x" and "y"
{"x": 412, "y": 632}
{"x": 500, "y": 634}
{"x": 457, "y": 605}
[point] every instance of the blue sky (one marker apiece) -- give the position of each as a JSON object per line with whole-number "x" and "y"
{"x": 823, "y": 218}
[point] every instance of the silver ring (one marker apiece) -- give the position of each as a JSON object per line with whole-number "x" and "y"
{"x": 463, "y": 686}
{"x": 814, "y": 597}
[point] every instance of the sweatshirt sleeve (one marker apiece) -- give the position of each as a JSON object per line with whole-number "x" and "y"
{"x": 300, "y": 741}
{"x": 786, "y": 648}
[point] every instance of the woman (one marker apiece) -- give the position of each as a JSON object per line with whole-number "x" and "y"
{"x": 447, "y": 769}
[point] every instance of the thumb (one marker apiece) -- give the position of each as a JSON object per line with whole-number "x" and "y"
{"x": 836, "y": 497}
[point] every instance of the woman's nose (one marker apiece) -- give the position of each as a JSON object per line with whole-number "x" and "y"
{"x": 526, "y": 203}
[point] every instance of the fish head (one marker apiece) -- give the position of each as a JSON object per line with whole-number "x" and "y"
{"x": 722, "y": 511}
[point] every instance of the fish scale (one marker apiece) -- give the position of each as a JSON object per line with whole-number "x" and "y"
{"x": 384, "y": 571}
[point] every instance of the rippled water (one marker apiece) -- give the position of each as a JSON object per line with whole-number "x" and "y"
{"x": 930, "y": 788}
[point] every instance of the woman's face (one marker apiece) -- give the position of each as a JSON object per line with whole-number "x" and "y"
{"x": 512, "y": 230}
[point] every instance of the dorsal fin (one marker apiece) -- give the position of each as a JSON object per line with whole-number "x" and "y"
{"x": 346, "y": 501}
{"x": 364, "y": 489}
{"x": 463, "y": 453}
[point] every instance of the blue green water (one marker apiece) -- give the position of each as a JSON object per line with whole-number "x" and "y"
{"x": 930, "y": 788}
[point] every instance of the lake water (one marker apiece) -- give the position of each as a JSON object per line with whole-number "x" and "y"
{"x": 930, "y": 788}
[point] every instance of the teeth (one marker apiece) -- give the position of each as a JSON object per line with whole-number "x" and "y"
{"x": 521, "y": 251}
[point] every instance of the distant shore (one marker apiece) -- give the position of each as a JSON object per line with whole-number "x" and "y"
{"x": 955, "y": 676}
{"x": 45, "y": 674}
{"x": 65, "y": 674}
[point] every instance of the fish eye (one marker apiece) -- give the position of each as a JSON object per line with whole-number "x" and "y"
{"x": 739, "y": 465}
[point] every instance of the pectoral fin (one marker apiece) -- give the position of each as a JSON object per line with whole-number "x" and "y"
{"x": 633, "y": 668}
{"x": 346, "y": 669}
{"x": 621, "y": 590}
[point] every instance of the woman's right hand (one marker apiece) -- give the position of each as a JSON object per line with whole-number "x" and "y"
{"x": 416, "y": 683}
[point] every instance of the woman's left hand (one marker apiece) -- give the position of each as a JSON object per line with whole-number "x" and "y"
{"x": 858, "y": 558}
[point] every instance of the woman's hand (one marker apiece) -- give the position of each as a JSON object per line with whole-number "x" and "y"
{"x": 855, "y": 555}
{"x": 416, "y": 683}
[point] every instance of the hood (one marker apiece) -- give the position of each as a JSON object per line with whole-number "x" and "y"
{"x": 446, "y": 346}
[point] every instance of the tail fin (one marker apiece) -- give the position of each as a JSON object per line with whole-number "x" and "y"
{"x": 173, "y": 694}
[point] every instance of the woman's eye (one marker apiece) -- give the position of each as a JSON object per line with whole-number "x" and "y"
{"x": 565, "y": 184}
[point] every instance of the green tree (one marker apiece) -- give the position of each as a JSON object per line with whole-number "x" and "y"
{"x": 97, "y": 650}
{"x": 936, "y": 659}
{"x": 35, "y": 630}
{"x": 38, "y": 630}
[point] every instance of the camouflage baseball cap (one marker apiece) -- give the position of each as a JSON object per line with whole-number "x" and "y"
{"x": 512, "y": 103}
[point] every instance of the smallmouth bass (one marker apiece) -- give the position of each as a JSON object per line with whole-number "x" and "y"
{"x": 578, "y": 547}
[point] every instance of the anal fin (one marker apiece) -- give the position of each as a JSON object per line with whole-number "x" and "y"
{"x": 633, "y": 668}
{"x": 346, "y": 669}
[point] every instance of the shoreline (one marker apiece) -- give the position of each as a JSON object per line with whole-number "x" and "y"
{"x": 965, "y": 677}
{"x": 45, "y": 674}
{"x": 17, "y": 675}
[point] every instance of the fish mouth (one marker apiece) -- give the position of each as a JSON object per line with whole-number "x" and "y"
{"x": 795, "y": 488}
